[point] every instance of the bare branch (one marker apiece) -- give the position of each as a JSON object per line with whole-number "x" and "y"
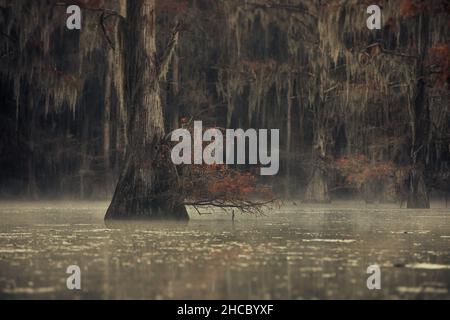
{"x": 167, "y": 56}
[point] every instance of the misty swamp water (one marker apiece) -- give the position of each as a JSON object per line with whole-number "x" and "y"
{"x": 297, "y": 252}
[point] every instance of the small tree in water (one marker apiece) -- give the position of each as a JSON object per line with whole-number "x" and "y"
{"x": 219, "y": 186}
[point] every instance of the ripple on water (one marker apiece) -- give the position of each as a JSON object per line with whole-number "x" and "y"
{"x": 17, "y": 250}
{"x": 29, "y": 290}
{"x": 428, "y": 266}
{"x": 419, "y": 290}
{"x": 330, "y": 240}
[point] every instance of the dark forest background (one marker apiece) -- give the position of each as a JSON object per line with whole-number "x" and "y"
{"x": 362, "y": 113}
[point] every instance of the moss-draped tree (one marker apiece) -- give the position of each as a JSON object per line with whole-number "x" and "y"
{"x": 148, "y": 183}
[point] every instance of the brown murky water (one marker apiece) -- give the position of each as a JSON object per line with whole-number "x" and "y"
{"x": 295, "y": 253}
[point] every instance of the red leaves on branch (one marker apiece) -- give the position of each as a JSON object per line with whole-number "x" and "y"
{"x": 87, "y": 4}
{"x": 184, "y": 120}
{"x": 392, "y": 25}
{"x": 220, "y": 182}
{"x": 439, "y": 61}
{"x": 411, "y": 8}
{"x": 66, "y": 78}
{"x": 173, "y": 6}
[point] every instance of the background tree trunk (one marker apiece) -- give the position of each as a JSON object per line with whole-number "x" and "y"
{"x": 290, "y": 101}
{"x": 147, "y": 187}
{"x": 107, "y": 122}
{"x": 418, "y": 192}
{"x": 32, "y": 186}
{"x": 84, "y": 168}
{"x": 317, "y": 188}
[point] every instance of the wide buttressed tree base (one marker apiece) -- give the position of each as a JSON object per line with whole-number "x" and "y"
{"x": 146, "y": 190}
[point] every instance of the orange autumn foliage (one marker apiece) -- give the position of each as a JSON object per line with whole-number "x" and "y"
{"x": 220, "y": 182}
{"x": 359, "y": 170}
{"x": 411, "y": 8}
{"x": 87, "y": 4}
{"x": 173, "y": 6}
{"x": 439, "y": 59}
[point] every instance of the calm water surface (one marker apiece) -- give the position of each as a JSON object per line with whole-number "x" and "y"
{"x": 296, "y": 252}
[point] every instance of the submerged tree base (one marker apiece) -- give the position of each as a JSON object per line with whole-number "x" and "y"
{"x": 141, "y": 210}
{"x": 152, "y": 212}
{"x": 132, "y": 209}
{"x": 317, "y": 190}
{"x": 418, "y": 194}
{"x": 146, "y": 192}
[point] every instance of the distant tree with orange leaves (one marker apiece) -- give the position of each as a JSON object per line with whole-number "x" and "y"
{"x": 363, "y": 174}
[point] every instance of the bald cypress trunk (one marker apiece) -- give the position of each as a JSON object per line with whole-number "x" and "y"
{"x": 107, "y": 123}
{"x": 84, "y": 168}
{"x": 32, "y": 186}
{"x": 317, "y": 188}
{"x": 290, "y": 95}
{"x": 418, "y": 193}
{"x": 147, "y": 187}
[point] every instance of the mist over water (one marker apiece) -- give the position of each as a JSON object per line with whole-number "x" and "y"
{"x": 297, "y": 252}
